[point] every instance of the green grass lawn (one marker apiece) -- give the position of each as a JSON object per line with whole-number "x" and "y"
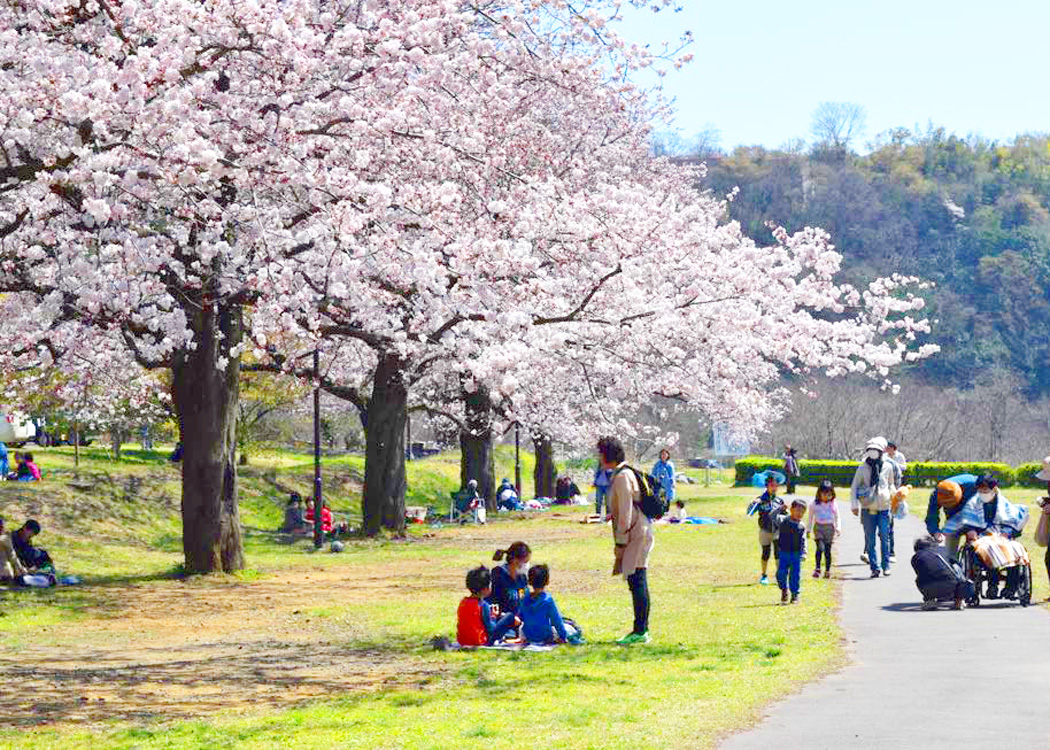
{"x": 722, "y": 646}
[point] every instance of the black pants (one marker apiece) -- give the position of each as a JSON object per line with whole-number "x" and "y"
{"x": 791, "y": 482}
{"x": 1047, "y": 561}
{"x": 640, "y": 598}
{"x": 947, "y": 589}
{"x": 824, "y": 548}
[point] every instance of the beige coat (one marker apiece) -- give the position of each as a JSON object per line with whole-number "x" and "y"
{"x": 10, "y": 565}
{"x": 631, "y": 528}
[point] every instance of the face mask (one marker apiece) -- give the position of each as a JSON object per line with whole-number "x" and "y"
{"x": 873, "y": 455}
{"x": 986, "y": 497}
{"x": 523, "y": 569}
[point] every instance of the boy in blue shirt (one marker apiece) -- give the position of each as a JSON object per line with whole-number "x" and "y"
{"x": 540, "y": 620}
{"x": 791, "y": 542}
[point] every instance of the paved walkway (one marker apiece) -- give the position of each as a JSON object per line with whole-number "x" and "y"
{"x": 944, "y": 679}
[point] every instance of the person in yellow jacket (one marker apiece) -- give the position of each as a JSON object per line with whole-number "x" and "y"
{"x": 632, "y": 533}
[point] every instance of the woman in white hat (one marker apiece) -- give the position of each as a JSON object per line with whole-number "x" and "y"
{"x": 870, "y": 498}
{"x": 1044, "y": 502}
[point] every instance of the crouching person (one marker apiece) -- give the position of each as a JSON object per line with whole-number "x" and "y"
{"x": 938, "y": 578}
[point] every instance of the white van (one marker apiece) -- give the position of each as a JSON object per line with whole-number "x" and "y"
{"x": 16, "y": 429}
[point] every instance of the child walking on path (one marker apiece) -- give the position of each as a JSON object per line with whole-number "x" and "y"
{"x": 474, "y": 625}
{"x": 770, "y": 509}
{"x": 791, "y": 541}
{"x": 823, "y": 523}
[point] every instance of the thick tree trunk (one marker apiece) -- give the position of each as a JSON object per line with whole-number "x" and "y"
{"x": 383, "y": 503}
{"x": 116, "y": 438}
{"x": 478, "y": 459}
{"x": 545, "y": 475}
{"x": 206, "y": 401}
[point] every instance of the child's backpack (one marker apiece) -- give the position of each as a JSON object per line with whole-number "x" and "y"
{"x": 654, "y": 503}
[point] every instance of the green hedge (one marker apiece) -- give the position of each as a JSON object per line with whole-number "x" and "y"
{"x": 1025, "y": 475}
{"x": 841, "y": 473}
{"x": 927, "y": 474}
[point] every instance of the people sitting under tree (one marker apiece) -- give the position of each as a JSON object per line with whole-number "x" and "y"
{"x": 469, "y": 504}
{"x": 507, "y": 496}
{"x": 33, "y": 558}
{"x": 10, "y": 566}
{"x": 26, "y": 469}
{"x": 565, "y": 491}
{"x": 326, "y": 516}
{"x": 294, "y": 516}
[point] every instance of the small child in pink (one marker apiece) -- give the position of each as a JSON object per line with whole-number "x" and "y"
{"x": 823, "y": 524}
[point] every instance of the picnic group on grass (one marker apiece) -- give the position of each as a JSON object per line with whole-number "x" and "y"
{"x": 22, "y": 563}
{"x": 965, "y": 557}
{"x": 25, "y": 468}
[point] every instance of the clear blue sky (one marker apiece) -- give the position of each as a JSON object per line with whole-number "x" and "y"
{"x": 761, "y": 67}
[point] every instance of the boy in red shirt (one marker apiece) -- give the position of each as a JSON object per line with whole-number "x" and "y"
{"x": 474, "y": 625}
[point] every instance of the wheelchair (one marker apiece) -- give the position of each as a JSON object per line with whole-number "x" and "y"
{"x": 995, "y": 553}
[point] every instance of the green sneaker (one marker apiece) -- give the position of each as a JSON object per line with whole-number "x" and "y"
{"x": 632, "y": 638}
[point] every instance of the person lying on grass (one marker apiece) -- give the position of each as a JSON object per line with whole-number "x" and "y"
{"x": 541, "y": 621}
{"x": 474, "y": 625}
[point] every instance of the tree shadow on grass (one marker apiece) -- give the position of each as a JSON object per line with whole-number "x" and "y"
{"x": 182, "y": 683}
{"x": 716, "y": 586}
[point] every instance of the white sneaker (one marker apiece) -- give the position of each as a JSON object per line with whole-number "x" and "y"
{"x": 863, "y": 557}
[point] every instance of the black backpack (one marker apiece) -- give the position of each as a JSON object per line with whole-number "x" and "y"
{"x": 654, "y": 503}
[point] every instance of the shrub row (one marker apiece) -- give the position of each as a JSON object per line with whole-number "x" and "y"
{"x": 920, "y": 473}
{"x": 1024, "y": 475}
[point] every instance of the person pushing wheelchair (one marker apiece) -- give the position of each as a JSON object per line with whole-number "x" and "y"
{"x": 989, "y": 513}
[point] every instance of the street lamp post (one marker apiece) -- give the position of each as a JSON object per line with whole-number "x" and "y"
{"x": 517, "y": 458}
{"x": 318, "y": 521}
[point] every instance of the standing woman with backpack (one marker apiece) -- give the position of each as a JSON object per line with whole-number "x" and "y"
{"x": 632, "y": 532}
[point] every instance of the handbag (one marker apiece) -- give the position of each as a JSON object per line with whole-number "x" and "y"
{"x": 1042, "y": 530}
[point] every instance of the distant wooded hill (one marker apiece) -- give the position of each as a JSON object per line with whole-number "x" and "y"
{"x": 969, "y": 214}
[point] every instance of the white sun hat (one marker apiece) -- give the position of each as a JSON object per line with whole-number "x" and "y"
{"x": 878, "y": 443}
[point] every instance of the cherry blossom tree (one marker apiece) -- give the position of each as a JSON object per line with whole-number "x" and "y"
{"x": 169, "y": 167}
{"x": 406, "y": 185}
